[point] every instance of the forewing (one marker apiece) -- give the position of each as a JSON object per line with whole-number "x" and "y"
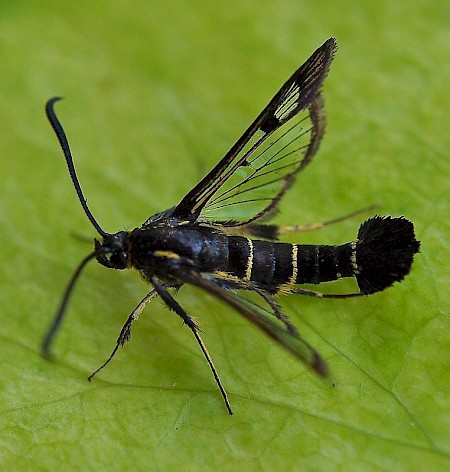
{"x": 254, "y": 190}
{"x": 252, "y": 177}
{"x": 288, "y": 339}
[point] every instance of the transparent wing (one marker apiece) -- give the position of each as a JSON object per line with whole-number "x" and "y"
{"x": 253, "y": 176}
{"x": 271, "y": 163}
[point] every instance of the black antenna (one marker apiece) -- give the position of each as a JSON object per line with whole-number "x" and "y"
{"x": 63, "y": 305}
{"x": 61, "y": 135}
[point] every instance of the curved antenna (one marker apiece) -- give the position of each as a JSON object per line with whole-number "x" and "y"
{"x": 63, "y": 305}
{"x": 61, "y": 135}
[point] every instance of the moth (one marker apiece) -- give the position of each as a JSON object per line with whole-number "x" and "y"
{"x": 218, "y": 237}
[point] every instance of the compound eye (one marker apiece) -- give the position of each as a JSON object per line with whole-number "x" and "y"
{"x": 119, "y": 260}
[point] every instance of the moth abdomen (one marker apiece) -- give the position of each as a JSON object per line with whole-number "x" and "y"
{"x": 381, "y": 255}
{"x": 271, "y": 264}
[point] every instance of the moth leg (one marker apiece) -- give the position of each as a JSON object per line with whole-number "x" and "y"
{"x": 173, "y": 305}
{"x": 273, "y": 232}
{"x": 249, "y": 286}
{"x": 125, "y": 332}
{"x": 320, "y": 225}
{"x": 252, "y": 287}
{"x": 316, "y": 294}
{"x": 276, "y": 311}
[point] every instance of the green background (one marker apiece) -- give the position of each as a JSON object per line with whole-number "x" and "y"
{"x": 155, "y": 95}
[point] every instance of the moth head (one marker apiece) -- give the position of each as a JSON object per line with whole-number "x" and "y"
{"x": 113, "y": 251}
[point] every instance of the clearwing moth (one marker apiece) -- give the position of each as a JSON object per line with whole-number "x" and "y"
{"x": 218, "y": 239}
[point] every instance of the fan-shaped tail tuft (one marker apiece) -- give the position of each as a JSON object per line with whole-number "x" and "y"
{"x": 385, "y": 252}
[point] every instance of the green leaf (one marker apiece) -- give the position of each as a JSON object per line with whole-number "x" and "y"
{"x": 154, "y": 96}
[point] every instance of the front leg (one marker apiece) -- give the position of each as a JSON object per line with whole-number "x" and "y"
{"x": 125, "y": 332}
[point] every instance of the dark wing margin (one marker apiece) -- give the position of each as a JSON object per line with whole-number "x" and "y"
{"x": 257, "y": 171}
